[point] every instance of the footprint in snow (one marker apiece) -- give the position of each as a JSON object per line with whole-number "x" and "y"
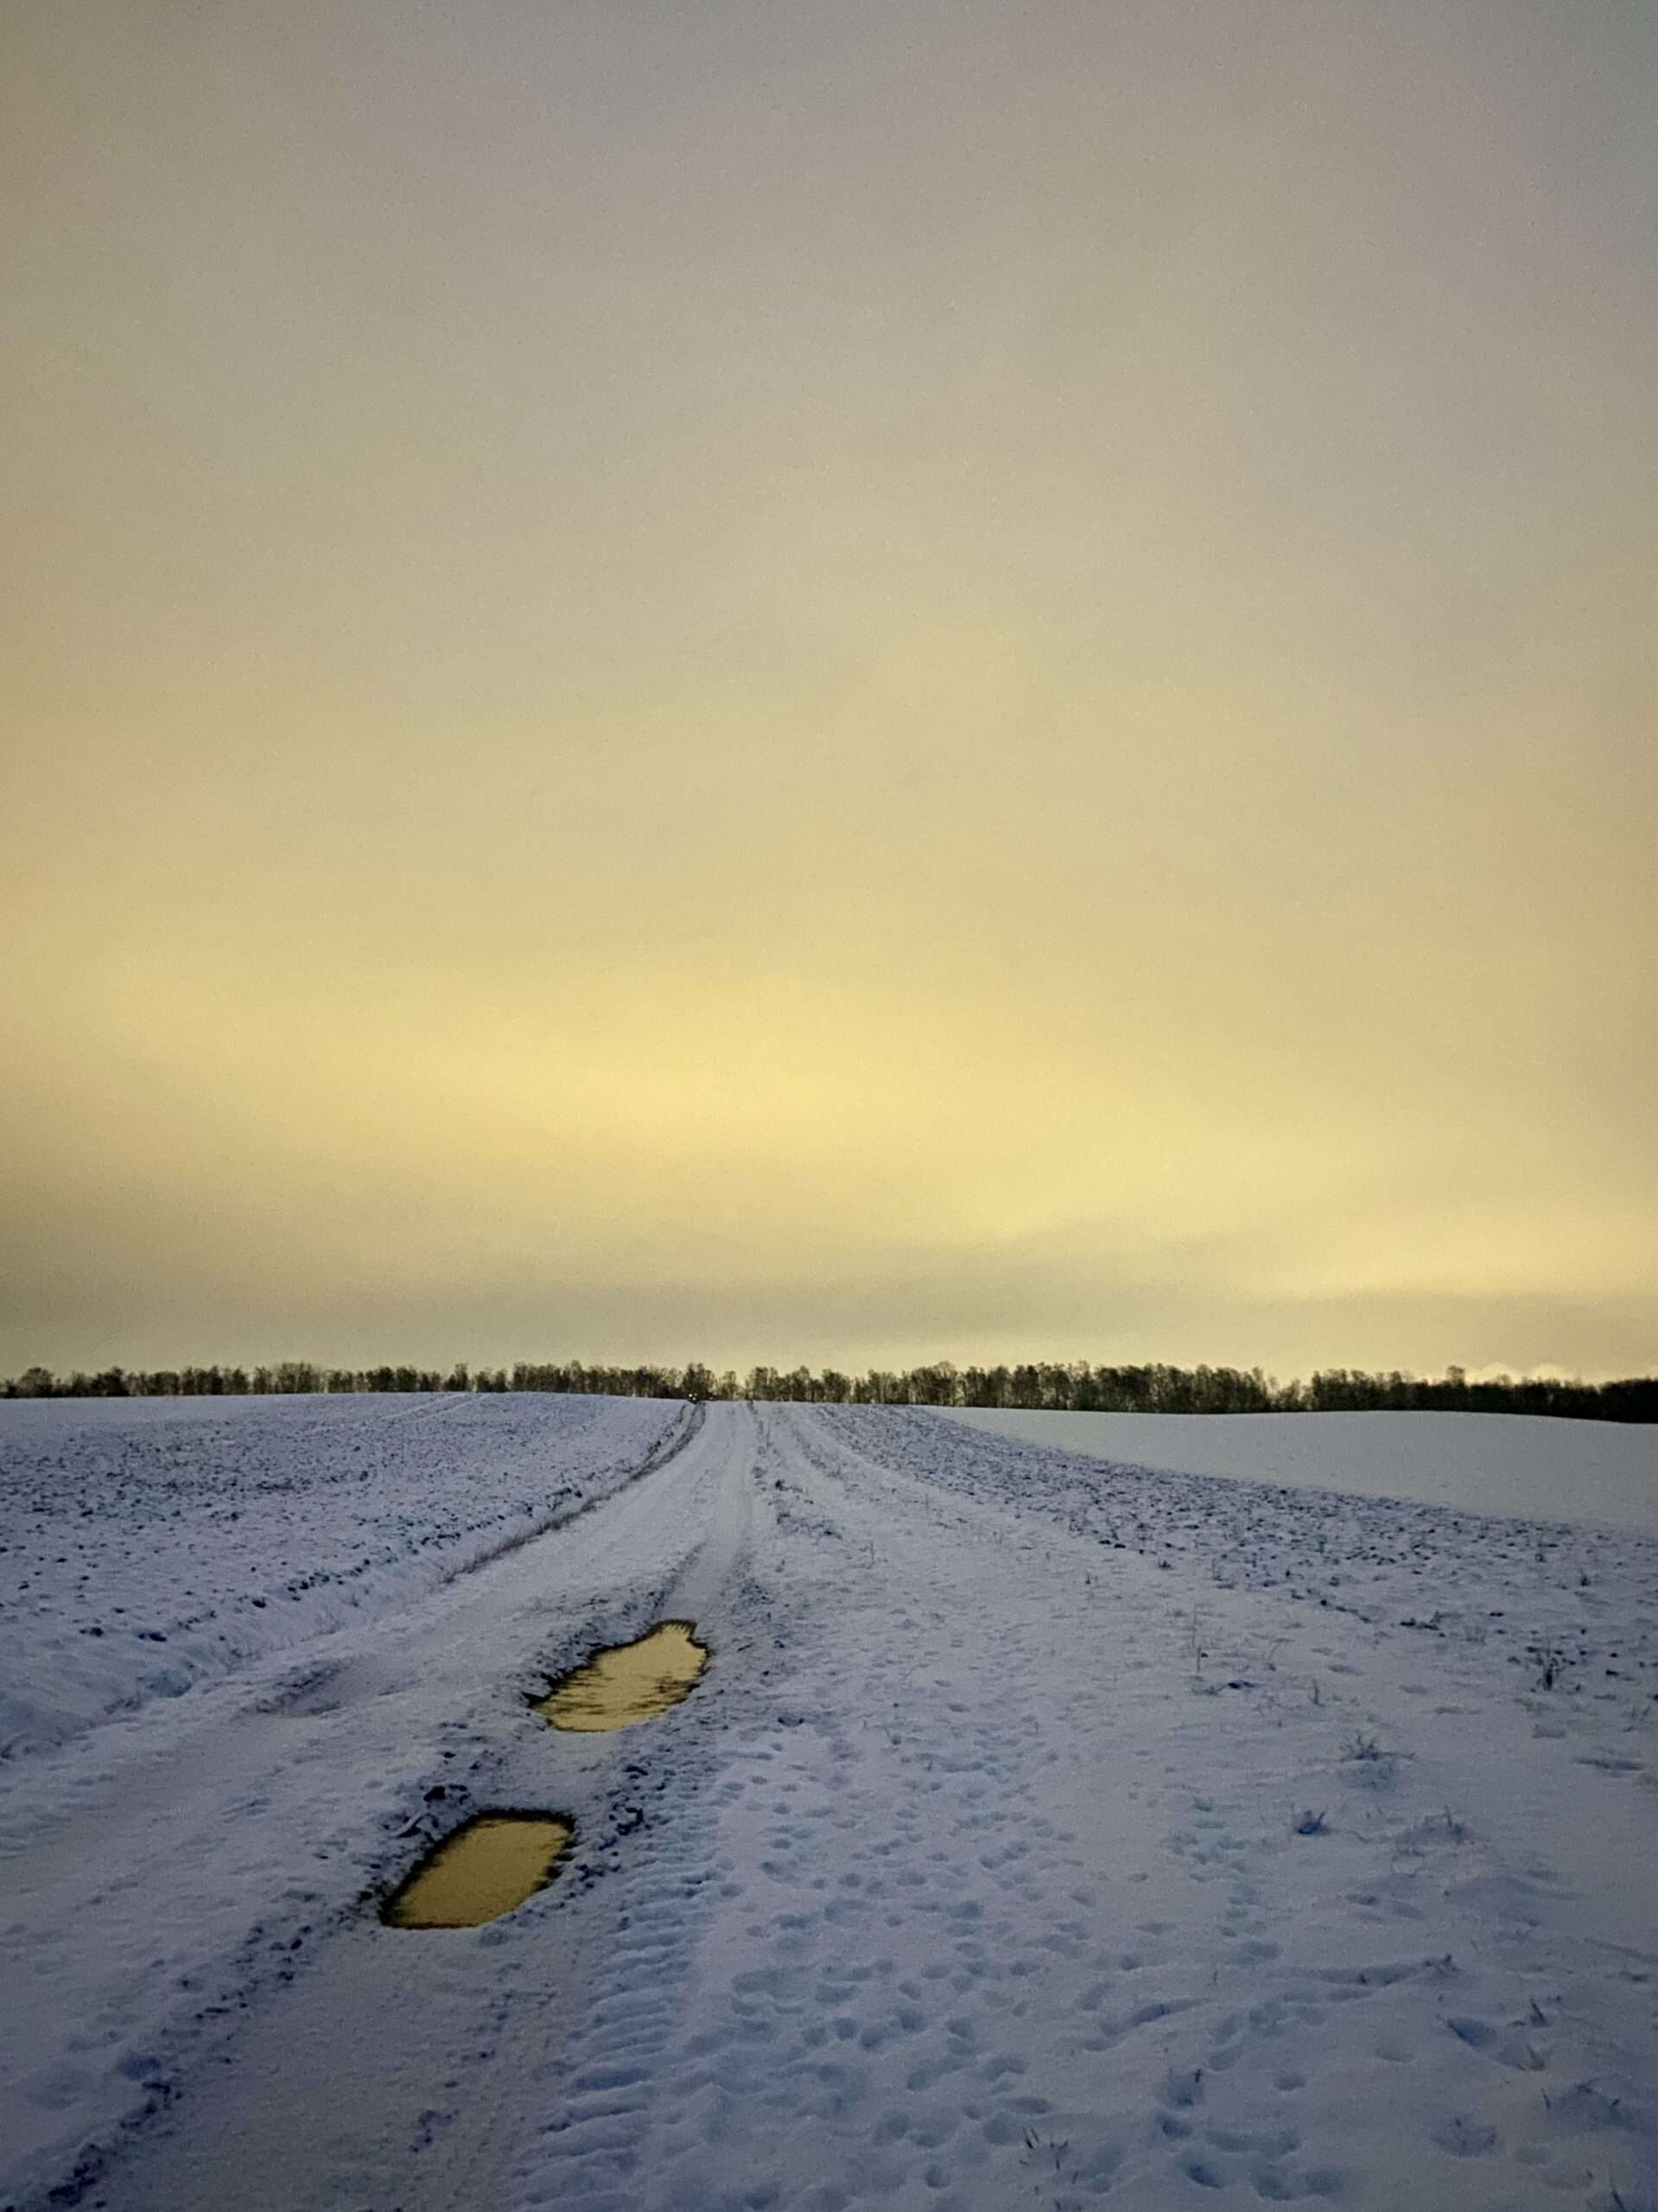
{"x": 1465, "y": 2139}
{"x": 1182, "y": 2087}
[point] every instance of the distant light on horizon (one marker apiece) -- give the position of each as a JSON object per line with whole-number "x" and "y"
{"x": 839, "y": 687}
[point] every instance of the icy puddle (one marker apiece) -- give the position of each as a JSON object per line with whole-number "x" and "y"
{"x": 627, "y": 1682}
{"x": 483, "y": 1870}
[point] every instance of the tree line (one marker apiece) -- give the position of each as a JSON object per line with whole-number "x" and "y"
{"x": 1070, "y": 1387}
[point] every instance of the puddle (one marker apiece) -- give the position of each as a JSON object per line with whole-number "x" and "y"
{"x": 484, "y": 1869}
{"x": 627, "y": 1682}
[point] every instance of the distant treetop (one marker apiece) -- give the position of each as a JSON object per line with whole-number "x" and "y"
{"x": 1071, "y": 1387}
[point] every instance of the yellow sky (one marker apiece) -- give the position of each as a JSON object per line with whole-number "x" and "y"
{"x": 847, "y": 684}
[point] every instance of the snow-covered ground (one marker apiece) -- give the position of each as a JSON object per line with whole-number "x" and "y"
{"x": 1042, "y": 1832}
{"x": 1578, "y": 1470}
{"x": 153, "y": 1543}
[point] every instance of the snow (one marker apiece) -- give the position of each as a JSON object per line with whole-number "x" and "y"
{"x": 152, "y": 1544}
{"x": 1044, "y": 1832}
{"x": 1577, "y": 1471}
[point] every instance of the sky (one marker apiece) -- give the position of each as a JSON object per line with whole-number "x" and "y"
{"x": 847, "y": 683}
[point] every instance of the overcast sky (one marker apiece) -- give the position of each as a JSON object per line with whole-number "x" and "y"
{"x": 847, "y": 683}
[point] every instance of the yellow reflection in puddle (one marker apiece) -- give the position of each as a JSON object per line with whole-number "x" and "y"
{"x": 629, "y": 1681}
{"x": 480, "y": 1872}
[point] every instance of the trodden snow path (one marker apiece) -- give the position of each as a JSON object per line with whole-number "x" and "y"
{"x": 165, "y": 1872}
{"x": 970, "y": 1876}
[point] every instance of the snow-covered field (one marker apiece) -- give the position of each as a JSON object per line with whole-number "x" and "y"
{"x": 1577, "y": 1471}
{"x": 153, "y": 1543}
{"x": 1045, "y": 1831}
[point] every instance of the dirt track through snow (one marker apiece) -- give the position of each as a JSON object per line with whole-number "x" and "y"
{"x": 970, "y": 1876}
